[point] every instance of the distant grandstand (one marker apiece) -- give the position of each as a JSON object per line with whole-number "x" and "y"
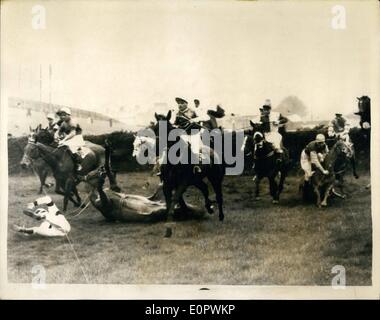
{"x": 23, "y": 113}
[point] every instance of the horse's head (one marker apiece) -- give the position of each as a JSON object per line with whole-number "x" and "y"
{"x": 363, "y": 102}
{"x": 162, "y": 121}
{"x": 341, "y": 148}
{"x": 44, "y": 136}
{"x": 31, "y": 153}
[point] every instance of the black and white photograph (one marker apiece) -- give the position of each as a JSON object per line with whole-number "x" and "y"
{"x": 195, "y": 149}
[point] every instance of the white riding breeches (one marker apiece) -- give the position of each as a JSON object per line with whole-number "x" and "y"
{"x": 74, "y": 143}
{"x": 274, "y": 138}
{"x": 48, "y": 230}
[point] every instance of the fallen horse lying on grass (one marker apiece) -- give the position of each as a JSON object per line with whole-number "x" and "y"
{"x": 115, "y": 206}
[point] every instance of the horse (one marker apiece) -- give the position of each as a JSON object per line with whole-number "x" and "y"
{"x": 178, "y": 177}
{"x": 265, "y": 163}
{"x": 322, "y": 184}
{"x": 347, "y": 159}
{"x": 39, "y": 166}
{"x": 63, "y": 166}
{"x": 364, "y": 106}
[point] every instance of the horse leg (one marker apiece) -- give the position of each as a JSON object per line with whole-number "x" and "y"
{"x": 178, "y": 193}
{"x": 155, "y": 194}
{"x": 353, "y": 165}
{"x": 273, "y": 189}
{"x": 281, "y": 183}
{"x": 67, "y": 194}
{"x": 182, "y": 204}
{"x": 42, "y": 183}
{"x": 76, "y": 193}
{"x": 113, "y": 183}
{"x": 327, "y": 193}
{"x": 59, "y": 191}
{"x": 257, "y": 189}
{"x": 168, "y": 199}
{"x": 202, "y": 186}
{"x": 318, "y": 194}
{"x": 217, "y": 186}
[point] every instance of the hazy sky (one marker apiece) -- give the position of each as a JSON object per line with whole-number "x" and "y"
{"x": 127, "y": 53}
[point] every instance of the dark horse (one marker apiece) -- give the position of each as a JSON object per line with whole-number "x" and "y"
{"x": 266, "y": 164}
{"x": 62, "y": 164}
{"x": 178, "y": 177}
{"x": 364, "y": 106}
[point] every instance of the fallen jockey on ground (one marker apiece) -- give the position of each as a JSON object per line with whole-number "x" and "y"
{"x": 54, "y": 223}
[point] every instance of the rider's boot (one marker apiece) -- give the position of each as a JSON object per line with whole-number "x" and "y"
{"x": 77, "y": 160}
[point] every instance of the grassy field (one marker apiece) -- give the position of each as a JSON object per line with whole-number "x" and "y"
{"x": 258, "y": 243}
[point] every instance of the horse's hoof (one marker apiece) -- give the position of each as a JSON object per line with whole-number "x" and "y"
{"x": 275, "y": 201}
{"x": 356, "y": 177}
{"x": 324, "y": 205}
{"x": 168, "y": 232}
{"x": 221, "y": 218}
{"x": 210, "y": 210}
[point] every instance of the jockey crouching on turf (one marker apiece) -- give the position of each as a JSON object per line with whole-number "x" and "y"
{"x": 54, "y": 222}
{"x": 313, "y": 155}
{"x": 271, "y": 122}
{"x": 70, "y": 134}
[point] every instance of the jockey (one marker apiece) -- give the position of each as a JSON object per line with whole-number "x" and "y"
{"x": 184, "y": 119}
{"x": 271, "y": 122}
{"x": 70, "y": 134}
{"x": 184, "y": 114}
{"x": 332, "y": 137}
{"x": 51, "y": 122}
{"x": 313, "y": 154}
{"x": 258, "y": 139}
{"x": 54, "y": 222}
{"x": 338, "y": 123}
{"x": 345, "y": 134}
